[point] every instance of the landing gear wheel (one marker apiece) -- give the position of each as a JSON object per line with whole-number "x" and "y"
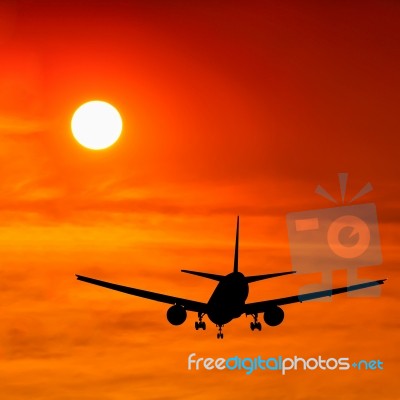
{"x": 220, "y": 335}
{"x": 200, "y": 324}
{"x": 255, "y": 325}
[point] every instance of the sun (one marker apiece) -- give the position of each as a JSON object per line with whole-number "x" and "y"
{"x": 96, "y": 125}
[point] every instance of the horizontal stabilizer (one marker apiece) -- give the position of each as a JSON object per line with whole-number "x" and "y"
{"x": 204, "y": 275}
{"x": 255, "y": 278}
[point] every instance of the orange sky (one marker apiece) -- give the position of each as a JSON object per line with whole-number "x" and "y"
{"x": 229, "y": 108}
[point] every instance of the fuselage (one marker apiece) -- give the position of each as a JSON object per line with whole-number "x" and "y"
{"x": 228, "y": 299}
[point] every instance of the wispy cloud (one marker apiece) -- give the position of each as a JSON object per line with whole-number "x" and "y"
{"x": 16, "y": 126}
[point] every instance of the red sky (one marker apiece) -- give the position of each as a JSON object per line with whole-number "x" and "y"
{"x": 229, "y": 108}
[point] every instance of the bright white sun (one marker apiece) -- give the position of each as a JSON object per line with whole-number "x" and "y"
{"x": 96, "y": 125}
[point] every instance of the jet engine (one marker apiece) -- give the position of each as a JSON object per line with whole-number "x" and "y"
{"x": 274, "y": 316}
{"x": 176, "y": 315}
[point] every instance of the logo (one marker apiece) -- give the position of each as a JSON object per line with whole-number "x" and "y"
{"x": 282, "y": 364}
{"x": 345, "y": 237}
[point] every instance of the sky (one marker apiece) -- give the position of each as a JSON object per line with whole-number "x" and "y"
{"x": 229, "y": 108}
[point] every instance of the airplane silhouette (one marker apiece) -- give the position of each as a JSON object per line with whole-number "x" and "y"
{"x": 228, "y": 300}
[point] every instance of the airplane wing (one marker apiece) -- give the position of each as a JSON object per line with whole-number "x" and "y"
{"x": 189, "y": 305}
{"x": 262, "y": 306}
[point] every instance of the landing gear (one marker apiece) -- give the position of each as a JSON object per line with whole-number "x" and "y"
{"x": 255, "y": 324}
{"x": 220, "y": 335}
{"x": 200, "y": 324}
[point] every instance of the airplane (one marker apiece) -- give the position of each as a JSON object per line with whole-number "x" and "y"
{"x": 228, "y": 300}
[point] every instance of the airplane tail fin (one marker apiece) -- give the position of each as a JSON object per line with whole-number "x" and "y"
{"x": 236, "y": 261}
{"x": 214, "y": 277}
{"x": 256, "y": 278}
{"x": 249, "y": 279}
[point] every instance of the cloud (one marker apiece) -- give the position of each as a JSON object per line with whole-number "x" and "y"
{"x": 13, "y": 127}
